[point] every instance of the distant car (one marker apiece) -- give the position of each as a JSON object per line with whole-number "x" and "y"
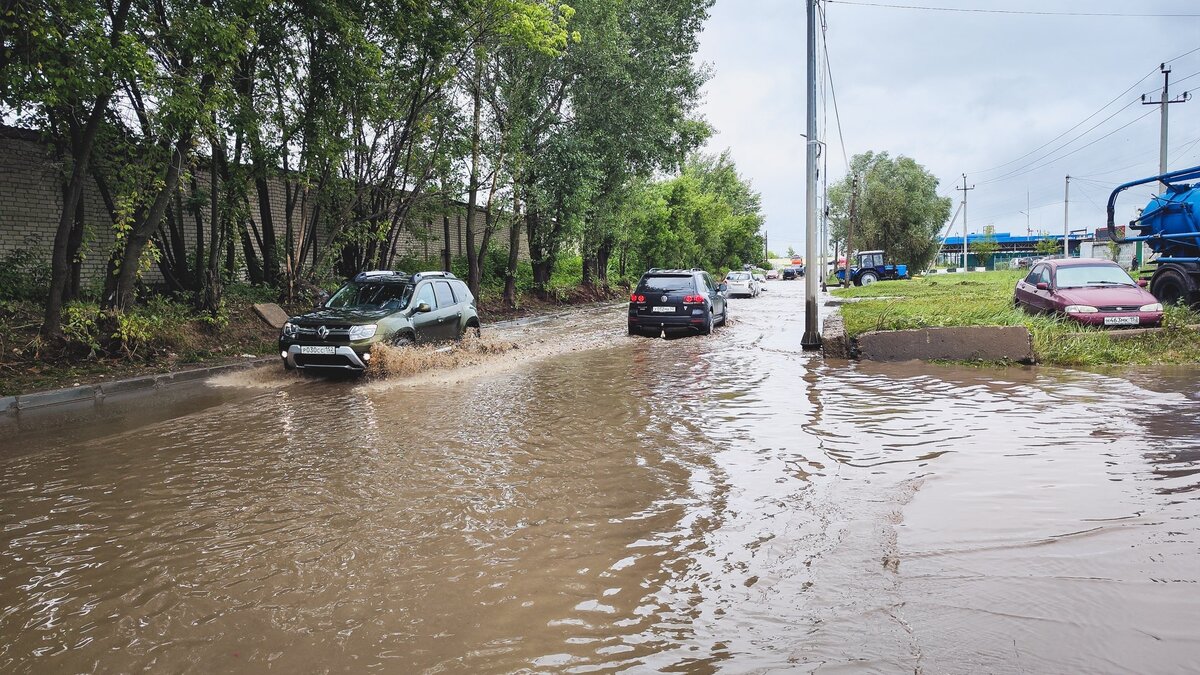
{"x": 789, "y": 273}
{"x": 1019, "y": 263}
{"x": 676, "y": 300}
{"x": 378, "y": 307}
{"x": 772, "y": 274}
{"x": 1091, "y": 291}
{"x": 761, "y": 280}
{"x": 741, "y": 283}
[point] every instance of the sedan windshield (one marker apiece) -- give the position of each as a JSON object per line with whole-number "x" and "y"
{"x": 371, "y": 296}
{"x": 1083, "y": 276}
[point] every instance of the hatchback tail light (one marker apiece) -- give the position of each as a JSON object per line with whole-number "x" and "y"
{"x": 637, "y": 298}
{"x": 693, "y": 299}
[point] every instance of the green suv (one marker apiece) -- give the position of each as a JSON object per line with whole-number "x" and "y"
{"x": 378, "y": 307}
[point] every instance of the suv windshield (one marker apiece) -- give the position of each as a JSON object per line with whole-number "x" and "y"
{"x": 371, "y": 296}
{"x": 1080, "y": 276}
{"x": 667, "y": 285}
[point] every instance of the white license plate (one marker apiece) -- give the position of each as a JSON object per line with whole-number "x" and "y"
{"x": 316, "y": 349}
{"x": 1122, "y": 320}
{"x": 663, "y": 310}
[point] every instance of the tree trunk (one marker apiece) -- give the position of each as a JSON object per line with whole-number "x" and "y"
{"x": 74, "y": 244}
{"x": 123, "y": 267}
{"x": 514, "y": 255}
{"x": 473, "y": 273}
{"x": 446, "y": 234}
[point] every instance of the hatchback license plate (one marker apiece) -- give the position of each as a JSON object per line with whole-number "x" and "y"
{"x": 663, "y": 310}
{"x": 1121, "y": 320}
{"x": 316, "y": 349}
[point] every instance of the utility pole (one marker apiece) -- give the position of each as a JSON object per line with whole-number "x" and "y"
{"x": 812, "y": 331}
{"x": 850, "y": 228}
{"x": 1066, "y": 226}
{"x": 964, "y": 190}
{"x": 1163, "y": 102}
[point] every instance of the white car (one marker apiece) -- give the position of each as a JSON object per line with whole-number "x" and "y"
{"x": 741, "y": 283}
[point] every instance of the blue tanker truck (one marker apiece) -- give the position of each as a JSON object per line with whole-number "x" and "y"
{"x": 1169, "y": 226}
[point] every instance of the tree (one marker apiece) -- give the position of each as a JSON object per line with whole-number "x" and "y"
{"x": 1048, "y": 246}
{"x": 791, "y": 252}
{"x": 898, "y": 209}
{"x": 986, "y": 248}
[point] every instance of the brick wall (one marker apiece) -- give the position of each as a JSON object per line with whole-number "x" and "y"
{"x": 31, "y": 203}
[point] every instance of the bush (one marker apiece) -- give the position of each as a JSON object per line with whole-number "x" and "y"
{"x": 25, "y": 273}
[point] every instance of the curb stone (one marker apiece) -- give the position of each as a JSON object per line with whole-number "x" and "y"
{"x": 96, "y": 392}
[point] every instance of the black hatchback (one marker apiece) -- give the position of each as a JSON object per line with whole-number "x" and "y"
{"x": 676, "y": 300}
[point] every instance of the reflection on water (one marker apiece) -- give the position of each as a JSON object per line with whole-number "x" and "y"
{"x": 716, "y": 503}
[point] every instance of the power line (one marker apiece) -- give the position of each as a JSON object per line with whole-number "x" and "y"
{"x": 833, "y": 91}
{"x": 975, "y": 10}
{"x": 1079, "y": 124}
{"x": 1030, "y": 169}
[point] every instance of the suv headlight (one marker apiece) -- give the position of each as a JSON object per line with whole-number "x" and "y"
{"x": 362, "y": 332}
{"x": 1080, "y": 309}
{"x": 1152, "y": 307}
{"x": 289, "y": 329}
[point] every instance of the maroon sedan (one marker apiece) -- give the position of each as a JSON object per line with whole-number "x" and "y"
{"x": 1090, "y": 291}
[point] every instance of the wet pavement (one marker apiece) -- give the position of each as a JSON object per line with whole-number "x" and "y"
{"x": 597, "y": 502}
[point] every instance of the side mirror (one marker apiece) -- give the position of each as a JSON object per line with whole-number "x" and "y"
{"x": 423, "y": 307}
{"x": 1043, "y": 286}
{"x": 1143, "y": 283}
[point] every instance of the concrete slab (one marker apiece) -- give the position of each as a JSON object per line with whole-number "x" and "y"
{"x": 131, "y": 384}
{"x": 968, "y": 343}
{"x": 56, "y": 397}
{"x": 272, "y": 313}
{"x": 7, "y": 403}
{"x": 834, "y": 344}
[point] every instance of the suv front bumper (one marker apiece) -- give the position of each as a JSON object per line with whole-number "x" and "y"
{"x": 342, "y": 358}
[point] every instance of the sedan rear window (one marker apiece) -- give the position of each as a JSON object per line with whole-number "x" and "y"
{"x": 1082, "y": 276}
{"x": 667, "y": 285}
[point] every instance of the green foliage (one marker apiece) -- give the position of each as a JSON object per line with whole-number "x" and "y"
{"x": 706, "y": 217}
{"x": 1048, "y": 246}
{"x": 986, "y": 248}
{"x": 897, "y": 207}
{"x": 24, "y": 273}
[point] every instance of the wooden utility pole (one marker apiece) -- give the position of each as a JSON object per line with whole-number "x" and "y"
{"x": 850, "y": 227}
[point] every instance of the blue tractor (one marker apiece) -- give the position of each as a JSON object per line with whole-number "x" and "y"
{"x": 1170, "y": 226}
{"x": 870, "y": 268}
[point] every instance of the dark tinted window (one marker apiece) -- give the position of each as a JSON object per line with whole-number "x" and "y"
{"x": 425, "y": 294}
{"x": 371, "y": 295}
{"x": 445, "y": 297}
{"x": 461, "y": 292}
{"x": 667, "y": 285}
{"x": 1032, "y": 277}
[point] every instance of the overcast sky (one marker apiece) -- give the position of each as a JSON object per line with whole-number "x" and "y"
{"x": 959, "y": 92}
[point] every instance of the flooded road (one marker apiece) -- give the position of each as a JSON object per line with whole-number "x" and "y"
{"x": 595, "y": 502}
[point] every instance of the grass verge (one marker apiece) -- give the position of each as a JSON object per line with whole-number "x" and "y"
{"x": 985, "y": 299}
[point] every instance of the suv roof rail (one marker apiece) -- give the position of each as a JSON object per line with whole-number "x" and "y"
{"x": 423, "y": 275}
{"x": 667, "y": 270}
{"x": 377, "y": 274}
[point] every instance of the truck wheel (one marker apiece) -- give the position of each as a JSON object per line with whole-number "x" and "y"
{"x": 1172, "y": 287}
{"x": 867, "y": 278}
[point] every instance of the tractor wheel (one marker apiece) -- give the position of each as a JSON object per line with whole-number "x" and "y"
{"x": 867, "y": 278}
{"x": 1173, "y": 287}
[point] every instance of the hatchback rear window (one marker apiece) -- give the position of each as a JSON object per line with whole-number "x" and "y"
{"x": 667, "y": 285}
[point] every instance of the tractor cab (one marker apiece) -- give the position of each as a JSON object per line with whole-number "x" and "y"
{"x": 871, "y": 267}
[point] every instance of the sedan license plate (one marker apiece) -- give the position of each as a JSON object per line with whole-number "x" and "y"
{"x": 1121, "y": 320}
{"x": 663, "y": 310}
{"x": 316, "y": 349}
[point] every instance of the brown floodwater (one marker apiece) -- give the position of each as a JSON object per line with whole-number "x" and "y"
{"x": 587, "y": 501}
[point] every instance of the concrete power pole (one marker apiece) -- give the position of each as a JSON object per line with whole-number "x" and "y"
{"x": 812, "y": 331}
{"x": 964, "y": 190}
{"x": 1066, "y": 226}
{"x": 1163, "y": 102}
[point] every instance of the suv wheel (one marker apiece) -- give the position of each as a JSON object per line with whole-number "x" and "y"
{"x": 707, "y": 329}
